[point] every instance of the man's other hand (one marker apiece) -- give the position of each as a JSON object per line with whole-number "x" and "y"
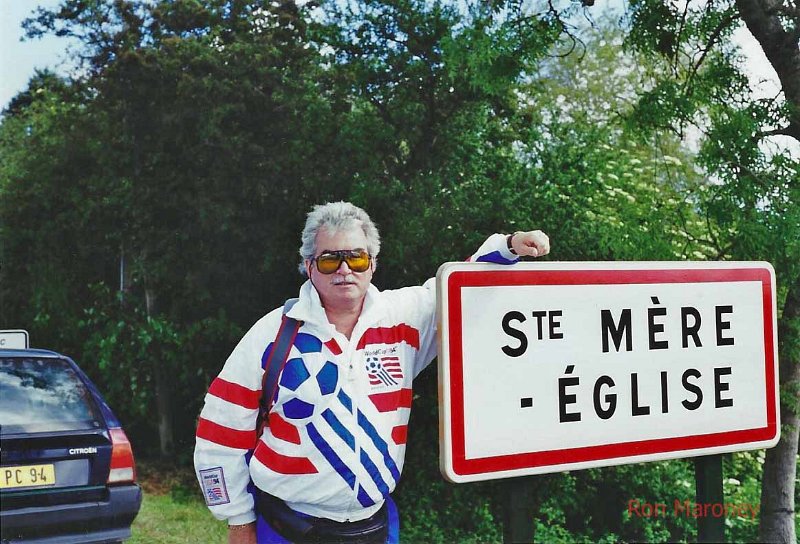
{"x": 533, "y": 243}
{"x": 242, "y": 534}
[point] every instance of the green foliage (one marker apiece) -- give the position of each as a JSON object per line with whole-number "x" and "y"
{"x": 742, "y": 485}
{"x": 44, "y": 212}
{"x": 609, "y": 188}
{"x": 120, "y": 353}
{"x": 700, "y": 82}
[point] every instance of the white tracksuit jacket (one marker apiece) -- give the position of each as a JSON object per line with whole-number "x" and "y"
{"x": 336, "y": 439}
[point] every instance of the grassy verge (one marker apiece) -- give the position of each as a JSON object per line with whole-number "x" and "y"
{"x": 173, "y": 512}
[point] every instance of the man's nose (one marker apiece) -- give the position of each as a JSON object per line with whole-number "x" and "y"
{"x": 344, "y": 268}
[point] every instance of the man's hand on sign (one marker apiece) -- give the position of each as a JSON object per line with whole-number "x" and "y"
{"x": 533, "y": 243}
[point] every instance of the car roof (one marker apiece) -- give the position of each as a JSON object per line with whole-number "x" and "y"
{"x": 45, "y": 353}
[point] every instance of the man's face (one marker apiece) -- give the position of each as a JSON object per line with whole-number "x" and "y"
{"x": 344, "y": 288}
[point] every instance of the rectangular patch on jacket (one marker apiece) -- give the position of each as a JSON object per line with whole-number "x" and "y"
{"x": 214, "y": 490}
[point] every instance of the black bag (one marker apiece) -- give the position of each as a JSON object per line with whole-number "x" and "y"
{"x": 302, "y": 529}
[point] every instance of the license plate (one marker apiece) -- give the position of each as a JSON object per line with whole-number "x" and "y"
{"x": 27, "y": 476}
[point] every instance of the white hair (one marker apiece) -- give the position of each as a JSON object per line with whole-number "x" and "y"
{"x": 336, "y": 217}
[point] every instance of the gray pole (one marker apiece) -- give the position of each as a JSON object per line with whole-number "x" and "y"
{"x": 708, "y": 478}
{"x": 518, "y": 525}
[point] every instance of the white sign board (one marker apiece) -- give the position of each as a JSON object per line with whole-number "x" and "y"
{"x": 546, "y": 367}
{"x": 13, "y": 339}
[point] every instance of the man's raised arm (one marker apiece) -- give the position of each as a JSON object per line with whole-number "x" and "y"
{"x": 508, "y": 248}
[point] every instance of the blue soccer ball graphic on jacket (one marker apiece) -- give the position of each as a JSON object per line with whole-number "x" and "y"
{"x": 304, "y": 384}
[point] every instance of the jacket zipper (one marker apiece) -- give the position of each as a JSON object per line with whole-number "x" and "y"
{"x": 354, "y": 392}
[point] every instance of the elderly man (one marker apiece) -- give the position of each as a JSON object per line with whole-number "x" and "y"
{"x": 333, "y": 450}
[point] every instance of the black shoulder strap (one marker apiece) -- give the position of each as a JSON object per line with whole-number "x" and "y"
{"x": 275, "y": 363}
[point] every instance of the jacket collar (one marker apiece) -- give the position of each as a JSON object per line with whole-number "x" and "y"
{"x": 309, "y": 307}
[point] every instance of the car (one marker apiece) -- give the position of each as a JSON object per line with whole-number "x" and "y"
{"x": 67, "y": 472}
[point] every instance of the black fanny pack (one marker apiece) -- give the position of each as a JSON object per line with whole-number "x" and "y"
{"x": 307, "y": 529}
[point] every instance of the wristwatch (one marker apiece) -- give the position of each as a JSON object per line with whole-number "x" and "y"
{"x": 508, "y": 242}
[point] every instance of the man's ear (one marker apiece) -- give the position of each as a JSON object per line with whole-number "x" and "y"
{"x": 308, "y": 267}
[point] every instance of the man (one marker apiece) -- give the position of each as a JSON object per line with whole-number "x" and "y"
{"x": 334, "y": 448}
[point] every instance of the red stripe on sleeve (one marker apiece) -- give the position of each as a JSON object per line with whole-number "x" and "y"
{"x": 280, "y": 428}
{"x": 235, "y": 393}
{"x": 333, "y": 346}
{"x": 390, "y": 335}
{"x": 283, "y": 463}
{"x": 400, "y": 434}
{"x": 387, "y": 402}
{"x": 225, "y": 436}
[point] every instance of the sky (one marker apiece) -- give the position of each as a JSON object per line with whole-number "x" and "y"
{"x": 18, "y": 60}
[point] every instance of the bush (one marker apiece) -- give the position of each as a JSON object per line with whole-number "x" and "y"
{"x": 123, "y": 350}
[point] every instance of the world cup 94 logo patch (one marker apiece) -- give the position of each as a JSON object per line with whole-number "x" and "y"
{"x": 214, "y": 489}
{"x": 384, "y": 370}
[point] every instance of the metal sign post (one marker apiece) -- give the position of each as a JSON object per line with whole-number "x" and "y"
{"x": 518, "y": 521}
{"x": 708, "y": 478}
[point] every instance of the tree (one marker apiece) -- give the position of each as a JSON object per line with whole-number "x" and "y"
{"x": 49, "y": 246}
{"x": 756, "y": 200}
{"x": 776, "y": 26}
{"x": 204, "y": 117}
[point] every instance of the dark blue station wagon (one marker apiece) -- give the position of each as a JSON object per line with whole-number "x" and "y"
{"x": 67, "y": 473}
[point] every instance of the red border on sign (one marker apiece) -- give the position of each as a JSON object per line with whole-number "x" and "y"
{"x": 460, "y": 279}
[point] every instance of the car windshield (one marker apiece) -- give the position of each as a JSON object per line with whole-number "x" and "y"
{"x": 43, "y": 395}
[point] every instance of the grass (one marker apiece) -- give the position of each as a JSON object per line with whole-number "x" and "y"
{"x": 173, "y": 511}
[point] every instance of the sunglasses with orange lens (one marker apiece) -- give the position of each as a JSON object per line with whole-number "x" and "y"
{"x": 330, "y": 261}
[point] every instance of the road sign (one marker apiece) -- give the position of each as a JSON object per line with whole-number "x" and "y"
{"x": 546, "y": 367}
{"x": 13, "y": 339}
